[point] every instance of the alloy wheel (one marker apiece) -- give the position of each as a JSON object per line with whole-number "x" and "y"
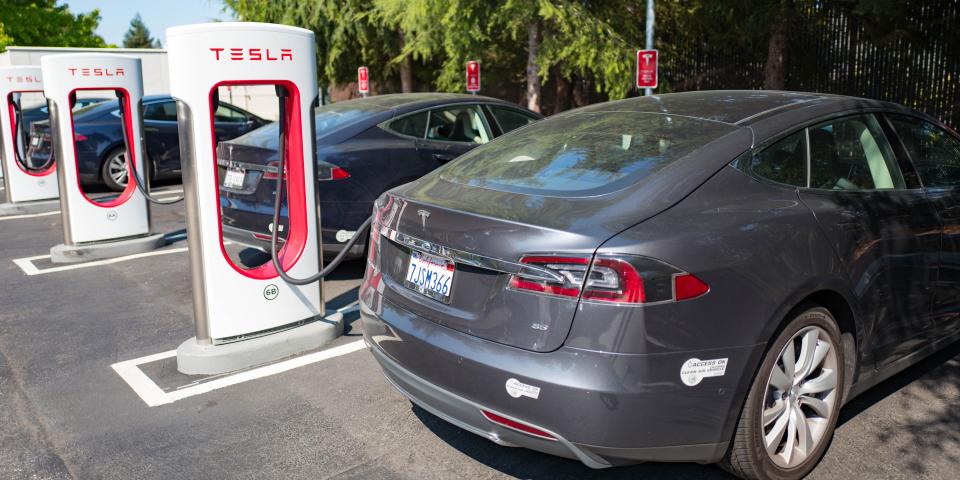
{"x": 800, "y": 398}
{"x": 117, "y": 169}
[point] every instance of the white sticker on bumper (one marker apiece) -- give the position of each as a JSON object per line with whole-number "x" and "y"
{"x": 517, "y": 389}
{"x": 695, "y": 370}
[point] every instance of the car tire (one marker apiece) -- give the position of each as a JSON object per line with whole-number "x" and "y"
{"x": 794, "y": 413}
{"x": 108, "y": 170}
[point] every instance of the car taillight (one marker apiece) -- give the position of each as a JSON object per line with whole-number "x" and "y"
{"x": 273, "y": 168}
{"x": 572, "y": 269}
{"x": 328, "y": 171}
{"x": 623, "y": 279}
{"x": 80, "y": 137}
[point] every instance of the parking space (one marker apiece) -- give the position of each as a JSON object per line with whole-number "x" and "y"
{"x": 66, "y": 413}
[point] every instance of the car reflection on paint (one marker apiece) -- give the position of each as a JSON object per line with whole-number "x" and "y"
{"x": 696, "y": 277}
{"x": 364, "y": 148}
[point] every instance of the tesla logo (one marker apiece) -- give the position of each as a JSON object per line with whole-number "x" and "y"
{"x": 24, "y": 79}
{"x": 252, "y": 54}
{"x": 96, "y": 72}
{"x": 424, "y": 215}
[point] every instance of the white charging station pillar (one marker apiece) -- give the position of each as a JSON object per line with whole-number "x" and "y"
{"x": 115, "y": 226}
{"x": 247, "y": 316}
{"x": 26, "y": 182}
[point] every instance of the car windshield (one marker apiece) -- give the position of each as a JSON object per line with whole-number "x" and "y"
{"x": 583, "y": 153}
{"x": 328, "y": 118}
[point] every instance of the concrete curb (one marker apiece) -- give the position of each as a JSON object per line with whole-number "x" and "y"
{"x": 29, "y": 208}
{"x": 196, "y": 359}
{"x": 102, "y": 250}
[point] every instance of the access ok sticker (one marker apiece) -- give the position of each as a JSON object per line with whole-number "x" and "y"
{"x": 695, "y": 370}
{"x": 517, "y": 389}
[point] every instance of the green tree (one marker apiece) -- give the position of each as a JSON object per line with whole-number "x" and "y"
{"x": 138, "y": 36}
{"x": 43, "y": 23}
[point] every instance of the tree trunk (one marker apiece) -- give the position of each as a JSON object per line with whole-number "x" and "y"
{"x": 533, "y": 71}
{"x": 774, "y": 72}
{"x": 579, "y": 92}
{"x": 406, "y": 67}
{"x": 562, "y": 101}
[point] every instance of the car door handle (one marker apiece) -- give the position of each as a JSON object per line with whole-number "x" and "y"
{"x": 442, "y": 158}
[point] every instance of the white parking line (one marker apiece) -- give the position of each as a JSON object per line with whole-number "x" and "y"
{"x": 26, "y": 264}
{"x": 30, "y": 215}
{"x": 153, "y": 395}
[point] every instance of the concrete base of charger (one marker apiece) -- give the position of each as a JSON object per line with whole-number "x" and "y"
{"x": 196, "y": 359}
{"x": 28, "y": 208}
{"x": 102, "y": 250}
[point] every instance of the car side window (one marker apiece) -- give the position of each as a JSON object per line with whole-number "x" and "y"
{"x": 851, "y": 153}
{"x": 161, "y": 111}
{"x": 935, "y": 153}
{"x": 412, "y": 125}
{"x": 458, "y": 124}
{"x": 510, "y": 118}
{"x": 226, "y": 114}
{"x": 783, "y": 162}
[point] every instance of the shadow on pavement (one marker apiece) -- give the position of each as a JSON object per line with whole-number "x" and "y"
{"x": 523, "y": 463}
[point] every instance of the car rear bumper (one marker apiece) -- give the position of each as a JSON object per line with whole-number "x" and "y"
{"x": 603, "y": 409}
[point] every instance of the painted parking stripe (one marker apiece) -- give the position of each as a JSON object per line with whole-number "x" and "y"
{"x": 153, "y": 396}
{"x": 26, "y": 264}
{"x": 30, "y": 215}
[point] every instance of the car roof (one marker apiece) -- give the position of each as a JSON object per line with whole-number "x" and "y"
{"x": 766, "y": 112}
{"x": 407, "y": 102}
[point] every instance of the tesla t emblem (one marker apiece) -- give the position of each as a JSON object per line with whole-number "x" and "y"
{"x": 424, "y": 215}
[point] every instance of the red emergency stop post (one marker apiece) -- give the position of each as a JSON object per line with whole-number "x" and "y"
{"x": 473, "y": 76}
{"x": 646, "y": 69}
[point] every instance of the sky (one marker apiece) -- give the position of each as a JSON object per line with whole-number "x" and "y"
{"x": 115, "y": 15}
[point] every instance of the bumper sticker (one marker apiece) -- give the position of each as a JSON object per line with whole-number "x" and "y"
{"x": 517, "y": 389}
{"x": 695, "y": 370}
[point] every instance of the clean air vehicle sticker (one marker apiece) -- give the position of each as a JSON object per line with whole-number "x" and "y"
{"x": 695, "y": 370}
{"x": 517, "y": 389}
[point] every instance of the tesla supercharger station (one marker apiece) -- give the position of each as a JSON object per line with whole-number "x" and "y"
{"x": 247, "y": 316}
{"x": 26, "y": 182}
{"x": 94, "y": 229}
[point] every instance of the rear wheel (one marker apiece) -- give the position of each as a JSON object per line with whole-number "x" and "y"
{"x": 113, "y": 171}
{"x": 791, "y": 411}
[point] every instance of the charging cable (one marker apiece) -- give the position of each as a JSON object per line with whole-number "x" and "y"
{"x": 281, "y": 170}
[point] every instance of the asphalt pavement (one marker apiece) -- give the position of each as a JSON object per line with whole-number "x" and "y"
{"x": 66, "y": 413}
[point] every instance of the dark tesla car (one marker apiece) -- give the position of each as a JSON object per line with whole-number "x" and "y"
{"x": 703, "y": 277}
{"x": 364, "y": 148}
{"x": 100, "y": 149}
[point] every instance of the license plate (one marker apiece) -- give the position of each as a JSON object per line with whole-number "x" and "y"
{"x": 430, "y": 275}
{"x": 35, "y": 141}
{"x": 234, "y": 178}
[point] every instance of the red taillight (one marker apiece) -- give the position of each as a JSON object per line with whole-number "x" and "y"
{"x": 515, "y": 425}
{"x": 571, "y": 268}
{"x": 622, "y": 279}
{"x": 272, "y": 170}
{"x": 686, "y": 286}
{"x": 628, "y": 287}
{"x": 80, "y": 138}
{"x": 337, "y": 173}
{"x": 327, "y": 171}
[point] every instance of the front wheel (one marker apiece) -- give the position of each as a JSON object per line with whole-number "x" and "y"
{"x": 792, "y": 407}
{"x": 113, "y": 172}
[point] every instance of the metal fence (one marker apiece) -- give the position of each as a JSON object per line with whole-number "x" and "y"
{"x": 913, "y": 59}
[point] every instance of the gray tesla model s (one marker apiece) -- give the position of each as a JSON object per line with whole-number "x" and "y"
{"x": 702, "y": 277}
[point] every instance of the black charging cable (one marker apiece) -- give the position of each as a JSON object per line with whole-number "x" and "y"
{"x": 18, "y": 142}
{"x": 132, "y": 175}
{"x": 281, "y": 170}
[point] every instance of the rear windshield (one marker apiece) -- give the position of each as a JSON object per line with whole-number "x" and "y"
{"x": 583, "y": 153}
{"x": 328, "y": 118}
